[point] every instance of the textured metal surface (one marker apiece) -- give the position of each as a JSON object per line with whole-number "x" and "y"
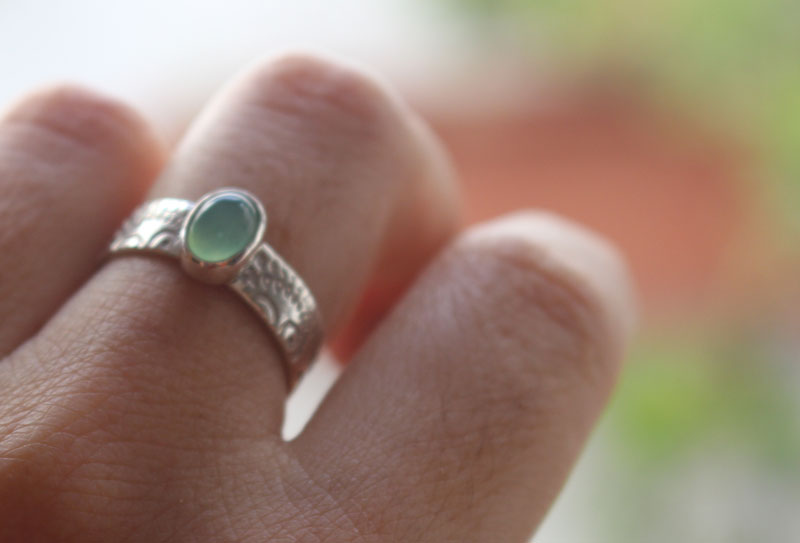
{"x": 281, "y": 298}
{"x": 155, "y": 227}
{"x": 264, "y": 280}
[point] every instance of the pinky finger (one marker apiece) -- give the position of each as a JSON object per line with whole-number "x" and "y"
{"x": 461, "y": 417}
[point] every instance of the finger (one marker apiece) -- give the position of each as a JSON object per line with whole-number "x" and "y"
{"x": 72, "y": 165}
{"x": 461, "y": 416}
{"x": 330, "y": 154}
{"x": 425, "y": 212}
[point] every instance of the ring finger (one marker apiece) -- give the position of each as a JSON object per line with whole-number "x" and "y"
{"x": 336, "y": 161}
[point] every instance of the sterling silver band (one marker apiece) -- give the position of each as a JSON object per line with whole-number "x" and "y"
{"x": 260, "y": 276}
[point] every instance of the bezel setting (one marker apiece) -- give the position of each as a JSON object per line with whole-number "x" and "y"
{"x": 225, "y": 270}
{"x": 257, "y": 274}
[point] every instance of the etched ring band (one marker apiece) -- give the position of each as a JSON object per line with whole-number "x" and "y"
{"x": 219, "y": 240}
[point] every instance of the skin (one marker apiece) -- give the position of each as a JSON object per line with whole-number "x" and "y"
{"x": 140, "y": 405}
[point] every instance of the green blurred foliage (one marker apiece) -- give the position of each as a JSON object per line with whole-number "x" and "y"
{"x": 690, "y": 395}
{"x": 682, "y": 395}
{"x": 735, "y": 59}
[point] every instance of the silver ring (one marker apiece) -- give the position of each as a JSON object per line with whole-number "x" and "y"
{"x": 219, "y": 240}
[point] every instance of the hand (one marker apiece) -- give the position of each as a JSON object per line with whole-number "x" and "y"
{"x": 141, "y": 405}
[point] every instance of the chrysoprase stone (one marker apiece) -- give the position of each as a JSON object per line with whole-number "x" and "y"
{"x": 222, "y": 228}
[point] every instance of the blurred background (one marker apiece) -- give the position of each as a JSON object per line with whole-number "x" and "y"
{"x": 672, "y": 126}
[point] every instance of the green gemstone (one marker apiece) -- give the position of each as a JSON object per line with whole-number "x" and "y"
{"x": 222, "y": 227}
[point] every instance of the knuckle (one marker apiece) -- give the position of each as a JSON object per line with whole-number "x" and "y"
{"x": 303, "y": 83}
{"x": 555, "y": 310}
{"x": 84, "y": 118}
